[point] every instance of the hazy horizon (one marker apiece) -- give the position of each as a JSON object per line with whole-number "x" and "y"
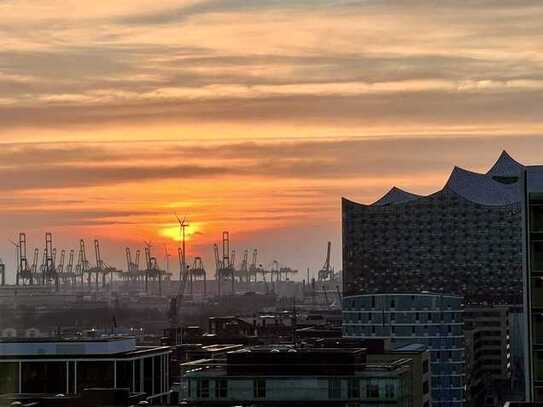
{"x": 250, "y": 116}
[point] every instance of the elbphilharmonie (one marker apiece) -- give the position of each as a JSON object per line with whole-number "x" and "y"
{"x": 464, "y": 239}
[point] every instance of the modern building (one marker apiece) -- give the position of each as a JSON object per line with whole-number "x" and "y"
{"x": 68, "y": 366}
{"x": 422, "y": 375}
{"x": 533, "y": 280}
{"x": 488, "y": 355}
{"x": 289, "y": 376}
{"x": 433, "y": 320}
{"x": 381, "y": 350}
{"x": 465, "y": 239}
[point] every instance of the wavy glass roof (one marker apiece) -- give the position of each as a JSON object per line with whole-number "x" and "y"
{"x": 499, "y": 186}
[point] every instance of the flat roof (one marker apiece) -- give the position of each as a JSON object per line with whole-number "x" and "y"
{"x": 78, "y": 347}
{"x": 412, "y": 347}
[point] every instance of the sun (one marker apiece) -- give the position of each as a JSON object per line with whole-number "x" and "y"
{"x": 173, "y": 231}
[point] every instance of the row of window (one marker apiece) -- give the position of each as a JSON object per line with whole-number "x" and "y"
{"x": 372, "y": 390}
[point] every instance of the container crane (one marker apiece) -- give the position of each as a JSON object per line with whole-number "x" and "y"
{"x": 326, "y": 272}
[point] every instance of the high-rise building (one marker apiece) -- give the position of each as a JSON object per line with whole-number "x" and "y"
{"x": 432, "y": 320}
{"x": 533, "y": 280}
{"x": 465, "y": 239}
{"x": 488, "y": 354}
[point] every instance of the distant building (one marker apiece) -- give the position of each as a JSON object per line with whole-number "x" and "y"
{"x": 488, "y": 354}
{"x": 433, "y": 320}
{"x": 287, "y": 376}
{"x": 68, "y": 366}
{"x": 465, "y": 239}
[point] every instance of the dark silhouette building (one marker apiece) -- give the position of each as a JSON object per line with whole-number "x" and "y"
{"x": 465, "y": 239}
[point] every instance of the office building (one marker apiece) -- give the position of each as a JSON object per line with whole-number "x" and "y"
{"x": 432, "y": 320}
{"x": 289, "y": 376}
{"x": 533, "y": 281}
{"x": 68, "y": 366}
{"x": 465, "y": 239}
{"x": 488, "y": 354}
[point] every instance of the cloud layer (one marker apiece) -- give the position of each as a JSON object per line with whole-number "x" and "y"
{"x": 254, "y": 116}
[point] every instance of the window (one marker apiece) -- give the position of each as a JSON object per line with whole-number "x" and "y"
{"x": 259, "y": 388}
{"x": 425, "y": 366}
{"x": 372, "y": 390}
{"x": 221, "y": 388}
{"x": 389, "y": 390}
{"x": 425, "y": 387}
{"x": 353, "y": 389}
{"x": 202, "y": 389}
{"x": 334, "y": 388}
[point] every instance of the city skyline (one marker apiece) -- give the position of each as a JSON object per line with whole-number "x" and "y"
{"x": 252, "y": 117}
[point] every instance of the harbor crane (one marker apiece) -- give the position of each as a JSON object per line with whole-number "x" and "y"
{"x": 326, "y": 272}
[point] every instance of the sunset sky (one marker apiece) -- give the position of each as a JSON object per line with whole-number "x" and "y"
{"x": 252, "y": 116}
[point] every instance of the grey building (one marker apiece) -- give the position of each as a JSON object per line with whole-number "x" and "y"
{"x": 433, "y": 320}
{"x": 465, "y": 239}
{"x": 289, "y": 376}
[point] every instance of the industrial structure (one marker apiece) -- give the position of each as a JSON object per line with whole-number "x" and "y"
{"x": 228, "y": 274}
{"x": 62, "y": 273}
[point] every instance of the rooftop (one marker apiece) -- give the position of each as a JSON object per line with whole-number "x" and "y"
{"x": 77, "y": 346}
{"x": 499, "y": 186}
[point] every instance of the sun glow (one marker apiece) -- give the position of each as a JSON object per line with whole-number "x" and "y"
{"x": 173, "y": 232}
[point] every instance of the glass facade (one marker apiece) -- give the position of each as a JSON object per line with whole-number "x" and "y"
{"x": 465, "y": 239}
{"x": 433, "y": 320}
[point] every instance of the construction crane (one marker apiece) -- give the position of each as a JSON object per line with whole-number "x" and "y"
{"x": 177, "y": 300}
{"x": 198, "y": 271}
{"x": 244, "y": 268}
{"x": 252, "y": 275}
{"x": 49, "y": 272}
{"x": 147, "y": 251}
{"x": 326, "y": 272}
{"x": 99, "y": 264}
{"x": 34, "y": 267}
{"x": 60, "y": 267}
{"x": 69, "y": 272}
{"x": 24, "y": 272}
{"x": 17, "y": 259}
{"x": 83, "y": 263}
{"x": 137, "y": 262}
{"x": 218, "y": 268}
{"x": 227, "y": 265}
{"x": 129, "y": 264}
{"x": 152, "y": 270}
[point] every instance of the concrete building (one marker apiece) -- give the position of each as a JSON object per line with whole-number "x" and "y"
{"x": 288, "y": 376}
{"x": 67, "y": 366}
{"x": 433, "y": 320}
{"x": 421, "y": 365}
{"x": 488, "y": 355}
{"x": 465, "y": 239}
